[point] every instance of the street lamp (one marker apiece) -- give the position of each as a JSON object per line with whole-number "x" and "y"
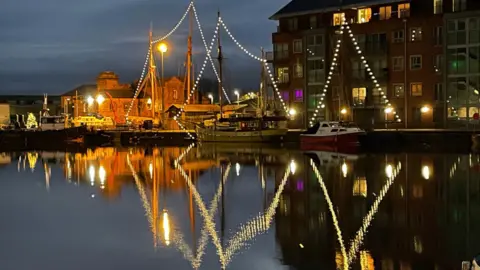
{"x": 210, "y": 96}
{"x": 343, "y": 111}
{"x": 163, "y": 49}
{"x": 100, "y": 99}
{"x": 292, "y": 112}
{"x": 90, "y": 100}
{"x": 425, "y": 109}
{"x": 238, "y": 96}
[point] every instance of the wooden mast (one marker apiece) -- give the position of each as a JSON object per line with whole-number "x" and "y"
{"x": 220, "y": 70}
{"x": 262, "y": 100}
{"x": 151, "y": 73}
{"x": 189, "y": 57}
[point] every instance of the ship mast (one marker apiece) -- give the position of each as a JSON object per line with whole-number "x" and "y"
{"x": 220, "y": 70}
{"x": 189, "y": 56}
{"x": 151, "y": 73}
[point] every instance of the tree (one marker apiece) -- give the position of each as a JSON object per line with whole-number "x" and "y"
{"x": 31, "y": 121}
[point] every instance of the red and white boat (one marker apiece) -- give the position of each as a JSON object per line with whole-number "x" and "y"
{"x": 331, "y": 136}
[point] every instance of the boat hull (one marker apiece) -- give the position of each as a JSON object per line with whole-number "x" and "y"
{"x": 260, "y": 136}
{"x": 348, "y": 142}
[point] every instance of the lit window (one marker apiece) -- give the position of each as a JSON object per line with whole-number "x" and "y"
{"x": 282, "y": 75}
{"x": 385, "y": 13}
{"x": 364, "y": 15}
{"x": 359, "y": 95}
{"x": 437, "y": 6}
{"x": 415, "y": 62}
{"x": 297, "y": 46}
{"x": 338, "y": 18}
{"x": 360, "y": 187}
{"x": 398, "y": 90}
{"x": 298, "y": 95}
{"x": 416, "y": 89}
{"x": 397, "y": 63}
{"x": 404, "y": 10}
{"x": 415, "y": 34}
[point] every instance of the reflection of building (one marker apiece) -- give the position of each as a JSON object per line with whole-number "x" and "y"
{"x": 427, "y": 220}
{"x": 108, "y": 168}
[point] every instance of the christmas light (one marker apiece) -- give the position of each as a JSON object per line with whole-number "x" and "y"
{"x": 264, "y": 61}
{"x": 208, "y": 52}
{"x": 202, "y": 69}
{"x": 176, "y": 25}
{"x": 370, "y": 73}
{"x": 142, "y": 76}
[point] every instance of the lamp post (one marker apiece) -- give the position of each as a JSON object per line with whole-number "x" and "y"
{"x": 210, "y": 96}
{"x": 238, "y": 96}
{"x": 163, "y": 49}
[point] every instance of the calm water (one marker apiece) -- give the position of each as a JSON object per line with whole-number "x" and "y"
{"x": 237, "y": 209}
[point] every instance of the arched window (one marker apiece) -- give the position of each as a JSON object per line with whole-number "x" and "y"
{"x": 175, "y": 95}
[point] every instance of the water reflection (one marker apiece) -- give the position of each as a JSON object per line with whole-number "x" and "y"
{"x": 327, "y": 210}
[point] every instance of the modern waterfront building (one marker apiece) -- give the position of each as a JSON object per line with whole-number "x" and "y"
{"x": 403, "y": 43}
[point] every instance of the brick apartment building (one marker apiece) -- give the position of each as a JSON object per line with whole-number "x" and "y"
{"x": 404, "y": 43}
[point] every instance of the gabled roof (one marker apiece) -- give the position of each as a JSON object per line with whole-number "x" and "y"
{"x": 304, "y": 7}
{"x": 207, "y": 107}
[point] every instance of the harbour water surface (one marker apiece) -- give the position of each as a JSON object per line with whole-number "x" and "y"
{"x": 213, "y": 207}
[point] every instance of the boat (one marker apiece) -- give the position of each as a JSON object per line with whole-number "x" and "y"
{"x": 260, "y": 128}
{"x": 332, "y": 136}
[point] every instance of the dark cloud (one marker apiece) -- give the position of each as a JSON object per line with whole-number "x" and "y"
{"x": 53, "y": 45}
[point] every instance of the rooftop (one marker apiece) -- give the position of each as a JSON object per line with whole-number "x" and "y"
{"x": 304, "y": 7}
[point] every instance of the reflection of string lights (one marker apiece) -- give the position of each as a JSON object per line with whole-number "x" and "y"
{"x": 356, "y": 243}
{"x": 332, "y": 212}
{"x": 258, "y": 225}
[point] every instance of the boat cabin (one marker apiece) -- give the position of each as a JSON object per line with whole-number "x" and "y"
{"x": 52, "y": 122}
{"x": 325, "y": 127}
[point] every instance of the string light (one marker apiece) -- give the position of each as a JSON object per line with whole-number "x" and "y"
{"x": 202, "y": 69}
{"x": 264, "y": 61}
{"x": 208, "y": 52}
{"x": 142, "y": 76}
{"x": 321, "y": 104}
{"x": 176, "y": 25}
{"x": 370, "y": 72}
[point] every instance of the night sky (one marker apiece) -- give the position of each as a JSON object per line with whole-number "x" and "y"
{"x": 51, "y": 46}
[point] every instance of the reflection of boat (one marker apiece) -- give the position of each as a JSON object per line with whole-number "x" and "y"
{"x": 325, "y": 135}
{"x": 326, "y": 158}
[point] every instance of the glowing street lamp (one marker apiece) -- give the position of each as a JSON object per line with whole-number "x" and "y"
{"x": 162, "y": 48}
{"x": 292, "y": 112}
{"x": 238, "y": 96}
{"x": 425, "y": 109}
{"x": 343, "y": 111}
{"x": 90, "y": 100}
{"x": 210, "y": 96}
{"x": 100, "y": 99}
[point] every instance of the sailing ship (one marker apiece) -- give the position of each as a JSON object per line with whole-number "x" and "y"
{"x": 263, "y": 127}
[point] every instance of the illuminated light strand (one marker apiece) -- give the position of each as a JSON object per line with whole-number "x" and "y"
{"x": 321, "y": 104}
{"x": 210, "y": 224}
{"x": 208, "y": 51}
{"x": 264, "y": 61}
{"x": 176, "y": 25}
{"x": 143, "y": 197}
{"x": 213, "y": 209}
{"x": 332, "y": 212}
{"x": 370, "y": 72}
{"x": 356, "y": 243}
{"x": 258, "y": 225}
{"x": 272, "y": 79}
{"x": 200, "y": 74}
{"x": 185, "y": 129}
{"x": 240, "y": 45}
{"x": 142, "y": 76}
